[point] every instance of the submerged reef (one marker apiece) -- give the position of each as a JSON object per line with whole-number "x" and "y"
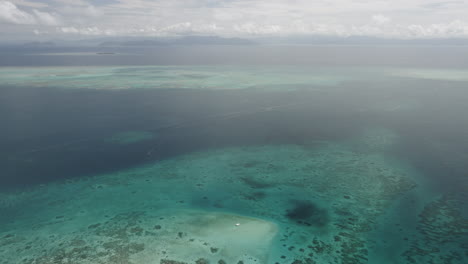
{"x": 132, "y": 237}
{"x": 320, "y": 204}
{"x": 14, "y": 199}
{"x": 114, "y": 241}
{"x": 442, "y": 232}
{"x": 308, "y": 213}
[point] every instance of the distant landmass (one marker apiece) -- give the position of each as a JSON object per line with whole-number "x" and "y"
{"x": 110, "y": 45}
{"x": 289, "y": 40}
{"x": 188, "y": 40}
{"x": 39, "y": 44}
{"x": 359, "y": 40}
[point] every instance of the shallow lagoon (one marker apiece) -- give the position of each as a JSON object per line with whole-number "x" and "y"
{"x": 279, "y": 164}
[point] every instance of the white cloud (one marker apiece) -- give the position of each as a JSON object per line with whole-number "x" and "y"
{"x": 33, "y": 4}
{"x": 11, "y": 14}
{"x": 81, "y": 11}
{"x": 46, "y": 18}
{"x": 88, "y": 31}
{"x": 257, "y": 29}
{"x": 454, "y": 28}
{"x": 243, "y": 18}
{"x": 380, "y": 19}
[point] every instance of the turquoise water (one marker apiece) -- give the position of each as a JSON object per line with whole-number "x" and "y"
{"x": 233, "y": 164}
{"x": 213, "y": 77}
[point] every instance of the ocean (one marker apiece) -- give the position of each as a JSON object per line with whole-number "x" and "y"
{"x": 220, "y": 154}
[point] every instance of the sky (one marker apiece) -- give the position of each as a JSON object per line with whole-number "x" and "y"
{"x": 42, "y": 19}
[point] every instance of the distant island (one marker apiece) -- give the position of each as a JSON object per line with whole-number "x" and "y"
{"x": 39, "y": 44}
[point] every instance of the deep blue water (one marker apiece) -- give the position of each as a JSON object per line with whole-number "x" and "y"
{"x": 52, "y": 133}
{"x": 62, "y": 131}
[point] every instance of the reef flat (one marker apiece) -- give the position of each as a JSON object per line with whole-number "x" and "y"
{"x": 216, "y": 78}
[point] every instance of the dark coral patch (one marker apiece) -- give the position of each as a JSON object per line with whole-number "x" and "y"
{"x": 309, "y": 213}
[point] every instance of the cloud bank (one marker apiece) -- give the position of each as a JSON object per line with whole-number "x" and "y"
{"x": 239, "y": 18}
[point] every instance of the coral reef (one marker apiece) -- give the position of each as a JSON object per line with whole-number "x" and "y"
{"x": 327, "y": 201}
{"x": 441, "y": 232}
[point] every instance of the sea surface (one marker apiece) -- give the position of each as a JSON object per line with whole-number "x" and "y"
{"x": 242, "y": 155}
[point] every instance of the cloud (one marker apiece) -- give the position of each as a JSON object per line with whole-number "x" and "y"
{"x": 10, "y": 13}
{"x": 443, "y": 30}
{"x": 240, "y": 18}
{"x": 26, "y": 3}
{"x": 81, "y": 11}
{"x": 380, "y": 19}
{"x": 443, "y": 4}
{"x": 257, "y": 29}
{"x": 46, "y": 18}
{"x": 178, "y": 29}
{"x": 455, "y": 28}
{"x": 88, "y": 31}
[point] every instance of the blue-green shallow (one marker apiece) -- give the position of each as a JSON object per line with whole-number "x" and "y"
{"x": 245, "y": 164}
